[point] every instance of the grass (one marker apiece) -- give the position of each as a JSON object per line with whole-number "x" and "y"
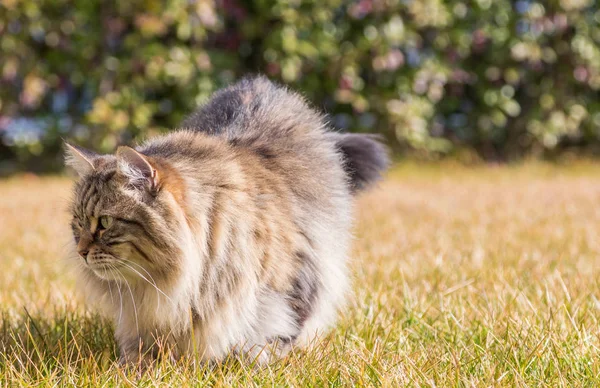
{"x": 463, "y": 277}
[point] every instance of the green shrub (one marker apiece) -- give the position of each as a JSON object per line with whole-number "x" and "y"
{"x": 502, "y": 78}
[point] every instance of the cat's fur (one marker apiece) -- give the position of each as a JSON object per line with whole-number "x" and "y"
{"x": 231, "y": 233}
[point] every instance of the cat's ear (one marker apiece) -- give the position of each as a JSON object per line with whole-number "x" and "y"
{"x": 80, "y": 159}
{"x": 137, "y": 168}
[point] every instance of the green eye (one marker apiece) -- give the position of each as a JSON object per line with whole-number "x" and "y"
{"x": 105, "y": 222}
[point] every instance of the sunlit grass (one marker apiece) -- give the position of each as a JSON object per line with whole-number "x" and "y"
{"x": 463, "y": 276}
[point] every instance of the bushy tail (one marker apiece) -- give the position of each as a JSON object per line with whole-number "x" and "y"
{"x": 365, "y": 158}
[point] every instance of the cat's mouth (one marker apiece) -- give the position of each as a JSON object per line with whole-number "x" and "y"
{"x": 113, "y": 268}
{"x": 106, "y": 268}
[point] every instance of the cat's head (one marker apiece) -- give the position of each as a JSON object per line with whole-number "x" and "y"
{"x": 127, "y": 215}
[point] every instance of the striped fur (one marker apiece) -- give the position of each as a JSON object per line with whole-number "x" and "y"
{"x": 229, "y": 234}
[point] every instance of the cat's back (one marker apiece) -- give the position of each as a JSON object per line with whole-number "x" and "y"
{"x": 254, "y": 108}
{"x": 281, "y": 129}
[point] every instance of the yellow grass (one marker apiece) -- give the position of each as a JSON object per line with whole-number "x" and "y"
{"x": 482, "y": 276}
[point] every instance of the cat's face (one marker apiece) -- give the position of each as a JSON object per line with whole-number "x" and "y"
{"x": 124, "y": 227}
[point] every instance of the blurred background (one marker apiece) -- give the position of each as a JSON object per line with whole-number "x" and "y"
{"x": 477, "y": 80}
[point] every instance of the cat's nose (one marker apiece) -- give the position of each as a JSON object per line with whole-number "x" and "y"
{"x": 84, "y": 244}
{"x": 83, "y": 253}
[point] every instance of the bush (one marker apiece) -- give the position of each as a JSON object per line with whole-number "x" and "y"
{"x": 502, "y": 78}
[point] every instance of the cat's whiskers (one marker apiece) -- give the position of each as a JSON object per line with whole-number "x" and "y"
{"x": 120, "y": 295}
{"x": 153, "y": 283}
{"x": 137, "y": 327}
{"x": 110, "y": 291}
{"x": 110, "y": 265}
{"x": 109, "y": 287}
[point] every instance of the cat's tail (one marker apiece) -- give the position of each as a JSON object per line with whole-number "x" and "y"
{"x": 365, "y": 158}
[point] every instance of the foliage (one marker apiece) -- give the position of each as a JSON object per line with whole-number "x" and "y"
{"x": 504, "y": 78}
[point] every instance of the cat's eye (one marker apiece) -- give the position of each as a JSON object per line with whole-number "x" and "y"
{"x": 105, "y": 222}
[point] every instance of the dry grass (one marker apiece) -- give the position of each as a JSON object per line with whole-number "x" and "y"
{"x": 485, "y": 276}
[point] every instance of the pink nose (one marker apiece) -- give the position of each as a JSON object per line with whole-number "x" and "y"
{"x": 83, "y": 253}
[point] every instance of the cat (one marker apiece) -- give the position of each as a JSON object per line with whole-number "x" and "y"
{"x": 230, "y": 234}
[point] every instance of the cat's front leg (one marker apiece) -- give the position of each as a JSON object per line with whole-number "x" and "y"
{"x": 145, "y": 352}
{"x": 265, "y": 353}
{"x": 134, "y": 353}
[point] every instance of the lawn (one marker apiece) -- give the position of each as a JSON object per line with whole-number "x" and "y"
{"x": 462, "y": 276}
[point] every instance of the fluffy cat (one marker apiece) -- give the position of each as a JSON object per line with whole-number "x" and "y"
{"x": 229, "y": 234}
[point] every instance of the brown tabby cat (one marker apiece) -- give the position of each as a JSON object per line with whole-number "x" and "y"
{"x": 231, "y": 233}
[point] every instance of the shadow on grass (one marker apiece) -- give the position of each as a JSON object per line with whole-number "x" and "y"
{"x": 41, "y": 344}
